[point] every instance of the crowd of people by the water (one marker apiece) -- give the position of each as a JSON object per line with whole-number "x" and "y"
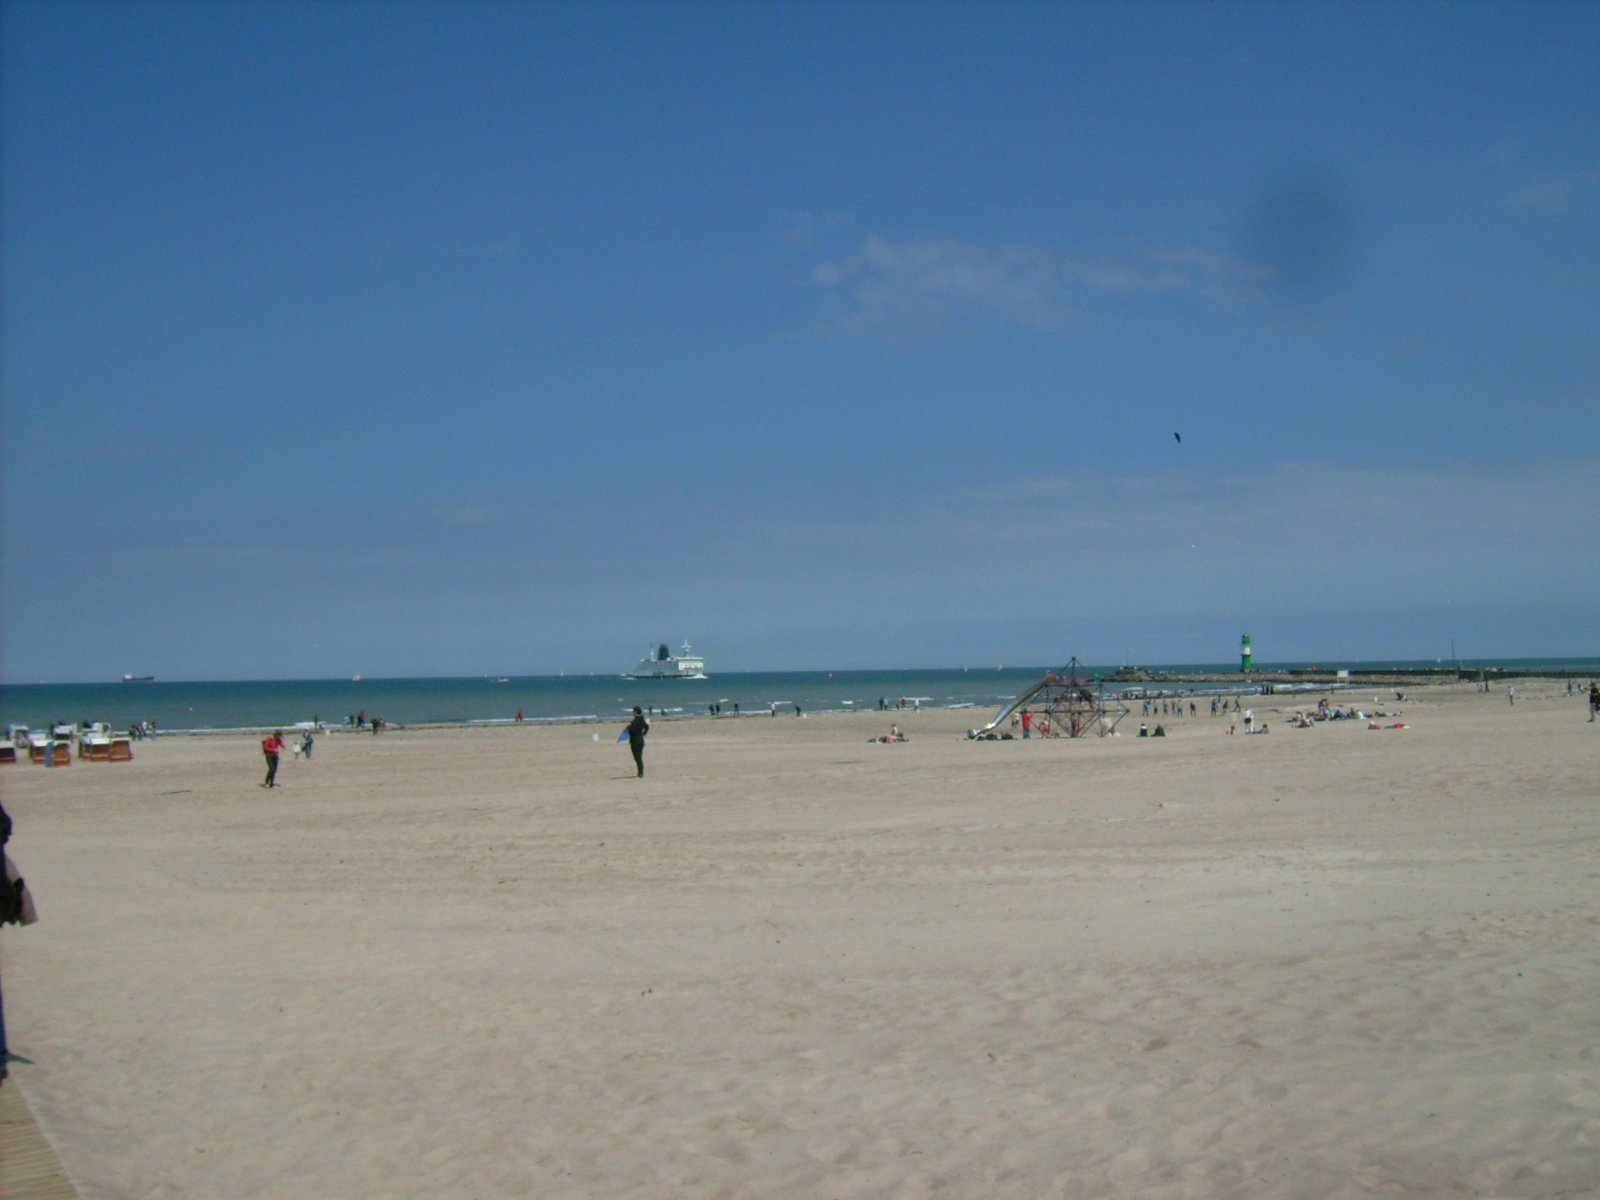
{"x": 1030, "y": 724}
{"x": 1026, "y": 722}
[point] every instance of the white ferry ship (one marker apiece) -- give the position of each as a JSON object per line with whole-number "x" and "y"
{"x": 663, "y": 664}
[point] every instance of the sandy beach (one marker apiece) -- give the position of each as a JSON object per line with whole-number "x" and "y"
{"x": 791, "y": 962}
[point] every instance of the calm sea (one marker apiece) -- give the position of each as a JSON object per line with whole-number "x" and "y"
{"x": 199, "y": 706}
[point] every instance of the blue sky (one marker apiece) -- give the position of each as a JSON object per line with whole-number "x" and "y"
{"x": 444, "y": 338}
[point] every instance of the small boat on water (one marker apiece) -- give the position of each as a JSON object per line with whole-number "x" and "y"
{"x": 663, "y": 664}
{"x": 138, "y": 679}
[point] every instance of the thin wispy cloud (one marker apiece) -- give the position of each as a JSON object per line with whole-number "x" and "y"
{"x": 128, "y": 451}
{"x": 807, "y": 228}
{"x": 479, "y": 514}
{"x": 1557, "y": 193}
{"x": 1313, "y": 527}
{"x": 293, "y": 558}
{"x": 887, "y": 281}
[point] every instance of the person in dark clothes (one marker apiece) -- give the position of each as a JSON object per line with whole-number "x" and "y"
{"x": 637, "y": 728}
{"x": 16, "y": 908}
{"x": 5, "y": 836}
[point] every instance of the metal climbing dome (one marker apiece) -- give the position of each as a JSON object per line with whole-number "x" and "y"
{"x": 1065, "y": 703}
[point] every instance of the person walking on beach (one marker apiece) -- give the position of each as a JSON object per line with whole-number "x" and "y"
{"x": 1594, "y": 699}
{"x": 272, "y": 746}
{"x": 6, "y": 905}
{"x": 636, "y": 730}
{"x": 16, "y": 908}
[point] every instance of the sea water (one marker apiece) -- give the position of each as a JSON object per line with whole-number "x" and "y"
{"x": 214, "y": 706}
{"x": 217, "y": 706}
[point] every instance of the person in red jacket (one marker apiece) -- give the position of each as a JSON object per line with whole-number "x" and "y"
{"x": 272, "y": 746}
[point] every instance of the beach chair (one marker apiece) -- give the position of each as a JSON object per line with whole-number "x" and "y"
{"x": 8, "y": 753}
{"x": 121, "y": 750}
{"x": 37, "y": 746}
{"x": 63, "y": 754}
{"x": 98, "y": 749}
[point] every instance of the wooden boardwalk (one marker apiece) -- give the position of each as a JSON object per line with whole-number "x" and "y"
{"x": 28, "y": 1166}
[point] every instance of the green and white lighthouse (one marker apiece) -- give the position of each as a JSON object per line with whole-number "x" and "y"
{"x": 1244, "y": 655}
